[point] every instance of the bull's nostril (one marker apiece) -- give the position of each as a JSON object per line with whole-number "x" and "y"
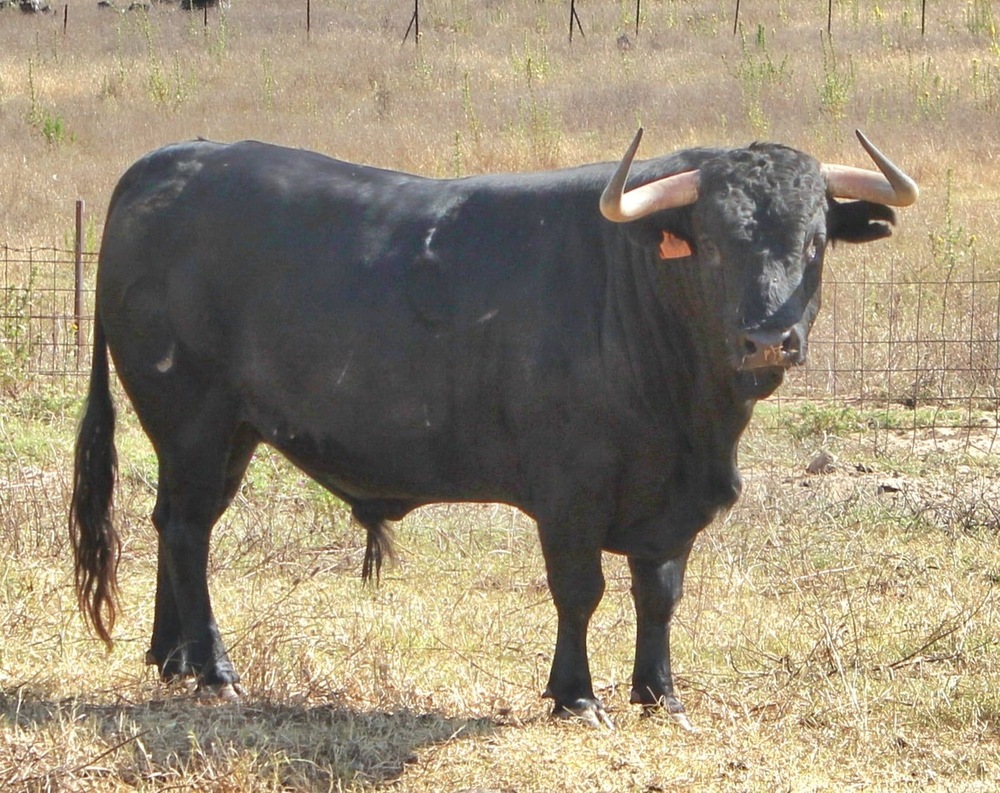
{"x": 792, "y": 342}
{"x": 765, "y": 348}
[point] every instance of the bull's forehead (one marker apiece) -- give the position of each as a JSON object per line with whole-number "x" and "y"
{"x": 764, "y": 192}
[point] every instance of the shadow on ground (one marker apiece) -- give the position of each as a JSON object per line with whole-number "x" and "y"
{"x": 181, "y": 740}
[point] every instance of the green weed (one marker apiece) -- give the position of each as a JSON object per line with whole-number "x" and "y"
{"x": 168, "y": 90}
{"x": 217, "y": 38}
{"x": 836, "y": 86}
{"x": 986, "y": 85}
{"x": 757, "y": 73}
{"x": 932, "y": 91}
{"x": 531, "y": 63}
{"x": 950, "y": 244}
{"x": 15, "y": 308}
{"x": 820, "y": 421}
{"x": 51, "y": 126}
{"x": 268, "y": 82}
{"x": 469, "y": 109}
{"x": 979, "y": 19}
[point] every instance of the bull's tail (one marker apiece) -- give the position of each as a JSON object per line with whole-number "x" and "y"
{"x": 96, "y": 545}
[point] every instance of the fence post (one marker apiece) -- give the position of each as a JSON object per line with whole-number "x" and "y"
{"x": 308, "y": 18}
{"x": 414, "y": 24}
{"x": 736, "y": 18}
{"x": 78, "y": 282}
{"x": 574, "y": 17}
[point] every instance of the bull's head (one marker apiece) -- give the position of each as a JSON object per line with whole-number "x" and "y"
{"x": 759, "y": 222}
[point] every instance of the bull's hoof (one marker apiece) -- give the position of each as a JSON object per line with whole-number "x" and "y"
{"x": 668, "y": 705}
{"x": 219, "y": 693}
{"x": 589, "y": 712}
{"x": 683, "y": 722}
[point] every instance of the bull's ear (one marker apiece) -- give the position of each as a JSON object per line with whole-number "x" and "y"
{"x": 859, "y": 221}
{"x": 671, "y": 240}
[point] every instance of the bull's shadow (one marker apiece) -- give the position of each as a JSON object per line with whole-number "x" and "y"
{"x": 307, "y": 747}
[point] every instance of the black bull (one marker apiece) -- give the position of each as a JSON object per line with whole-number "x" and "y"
{"x": 588, "y": 354}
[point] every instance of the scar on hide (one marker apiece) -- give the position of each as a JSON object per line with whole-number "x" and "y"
{"x": 166, "y": 363}
{"x": 343, "y": 372}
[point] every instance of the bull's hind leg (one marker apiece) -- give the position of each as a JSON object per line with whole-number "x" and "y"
{"x": 169, "y": 651}
{"x": 203, "y": 452}
{"x": 166, "y": 650}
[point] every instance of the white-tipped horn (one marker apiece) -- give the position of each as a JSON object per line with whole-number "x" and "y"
{"x": 670, "y": 192}
{"x": 892, "y": 186}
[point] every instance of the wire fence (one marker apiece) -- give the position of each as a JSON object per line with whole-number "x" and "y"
{"x": 881, "y": 346}
{"x": 46, "y": 311}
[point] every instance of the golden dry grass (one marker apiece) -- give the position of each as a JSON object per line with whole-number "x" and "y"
{"x": 839, "y": 631}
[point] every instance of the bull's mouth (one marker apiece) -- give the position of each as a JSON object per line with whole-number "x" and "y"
{"x": 770, "y": 358}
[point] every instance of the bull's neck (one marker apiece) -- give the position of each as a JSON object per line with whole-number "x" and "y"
{"x": 662, "y": 341}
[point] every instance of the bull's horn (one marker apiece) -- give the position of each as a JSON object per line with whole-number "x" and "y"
{"x": 668, "y": 193}
{"x": 892, "y": 186}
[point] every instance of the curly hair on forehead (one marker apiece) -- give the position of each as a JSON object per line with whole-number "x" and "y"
{"x": 767, "y": 187}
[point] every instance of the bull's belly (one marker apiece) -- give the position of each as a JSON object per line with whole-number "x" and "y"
{"x": 411, "y": 471}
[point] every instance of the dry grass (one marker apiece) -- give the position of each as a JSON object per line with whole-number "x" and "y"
{"x": 834, "y": 634}
{"x": 839, "y": 631}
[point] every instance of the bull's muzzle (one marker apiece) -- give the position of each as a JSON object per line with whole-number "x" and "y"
{"x": 762, "y": 349}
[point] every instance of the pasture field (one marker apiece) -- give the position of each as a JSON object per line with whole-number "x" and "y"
{"x": 839, "y": 632}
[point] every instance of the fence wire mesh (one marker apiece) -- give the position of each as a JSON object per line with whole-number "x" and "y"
{"x": 40, "y": 332}
{"x": 930, "y": 348}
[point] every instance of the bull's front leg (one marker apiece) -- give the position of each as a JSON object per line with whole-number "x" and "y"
{"x": 577, "y": 585}
{"x": 656, "y": 590}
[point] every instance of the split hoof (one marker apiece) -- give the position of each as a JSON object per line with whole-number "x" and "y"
{"x": 666, "y": 706}
{"x": 221, "y": 693}
{"x": 682, "y": 721}
{"x": 592, "y": 714}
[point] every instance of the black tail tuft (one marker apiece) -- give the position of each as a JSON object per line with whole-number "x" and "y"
{"x": 96, "y": 544}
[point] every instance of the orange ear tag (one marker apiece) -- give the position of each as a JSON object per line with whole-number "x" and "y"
{"x": 673, "y": 247}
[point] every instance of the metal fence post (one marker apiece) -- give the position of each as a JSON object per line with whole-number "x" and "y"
{"x": 78, "y": 282}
